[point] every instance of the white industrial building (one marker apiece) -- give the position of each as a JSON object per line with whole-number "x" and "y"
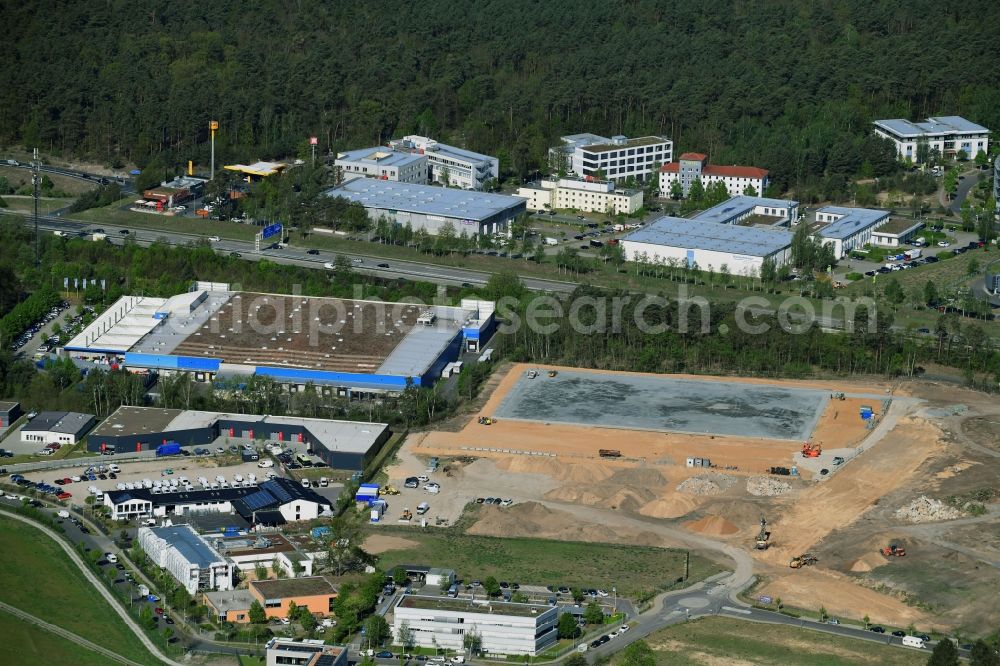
{"x": 505, "y": 628}
{"x": 847, "y": 229}
{"x": 187, "y": 556}
{"x": 430, "y": 208}
{"x": 741, "y": 250}
{"x": 590, "y": 155}
{"x": 694, "y": 166}
{"x": 383, "y": 163}
{"x": 896, "y": 232}
{"x": 581, "y": 194}
{"x": 451, "y": 166}
{"x": 744, "y": 209}
{"x": 304, "y": 652}
{"x": 946, "y": 135}
{"x": 63, "y": 428}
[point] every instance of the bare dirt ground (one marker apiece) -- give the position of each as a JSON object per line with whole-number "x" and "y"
{"x": 922, "y": 447}
{"x": 380, "y": 543}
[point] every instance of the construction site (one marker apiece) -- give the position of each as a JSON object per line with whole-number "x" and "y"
{"x": 865, "y": 498}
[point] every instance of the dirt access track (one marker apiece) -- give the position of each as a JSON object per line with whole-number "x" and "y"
{"x": 651, "y": 491}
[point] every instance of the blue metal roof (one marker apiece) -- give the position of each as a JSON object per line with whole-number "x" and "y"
{"x": 700, "y": 235}
{"x": 854, "y": 220}
{"x": 187, "y": 542}
{"x": 427, "y": 199}
{"x": 730, "y": 209}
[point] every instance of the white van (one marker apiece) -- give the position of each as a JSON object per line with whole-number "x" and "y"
{"x": 913, "y": 641}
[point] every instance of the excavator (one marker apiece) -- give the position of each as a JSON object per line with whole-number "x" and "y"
{"x": 763, "y": 537}
{"x": 486, "y": 420}
{"x": 893, "y": 550}
{"x": 803, "y": 560}
{"x": 390, "y": 490}
{"x": 812, "y": 450}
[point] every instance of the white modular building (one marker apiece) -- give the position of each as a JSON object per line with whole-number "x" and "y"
{"x": 582, "y": 194}
{"x": 593, "y": 156}
{"x": 188, "y": 557}
{"x": 506, "y": 628}
{"x": 946, "y": 135}
{"x": 847, "y": 228}
{"x": 738, "y": 249}
{"x": 451, "y": 166}
{"x": 383, "y": 163}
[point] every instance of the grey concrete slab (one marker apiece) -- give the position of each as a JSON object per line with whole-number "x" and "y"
{"x": 714, "y": 407}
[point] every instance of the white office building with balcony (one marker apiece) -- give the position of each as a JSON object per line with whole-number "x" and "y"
{"x": 451, "y": 166}
{"x": 617, "y": 158}
{"x": 945, "y": 135}
{"x": 188, "y": 557}
{"x": 505, "y": 628}
{"x": 384, "y": 164}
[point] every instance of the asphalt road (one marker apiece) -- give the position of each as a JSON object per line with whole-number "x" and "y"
{"x": 126, "y": 183}
{"x": 970, "y": 180}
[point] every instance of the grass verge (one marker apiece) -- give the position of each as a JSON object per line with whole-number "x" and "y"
{"x": 717, "y": 640}
{"x": 25, "y": 643}
{"x": 115, "y": 214}
{"x": 637, "y": 571}
{"x": 38, "y": 578}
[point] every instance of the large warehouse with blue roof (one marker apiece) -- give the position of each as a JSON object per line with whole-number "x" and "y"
{"x": 343, "y": 347}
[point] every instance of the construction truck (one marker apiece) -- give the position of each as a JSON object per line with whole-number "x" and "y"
{"x": 838, "y": 396}
{"x": 763, "y": 537}
{"x": 390, "y": 490}
{"x": 552, "y": 373}
{"x": 800, "y": 561}
{"x": 406, "y": 517}
{"x": 609, "y": 453}
{"x": 811, "y": 450}
{"x": 893, "y": 550}
{"x": 486, "y": 420}
{"x": 532, "y": 374}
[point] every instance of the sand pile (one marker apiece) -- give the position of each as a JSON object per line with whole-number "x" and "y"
{"x": 557, "y": 469}
{"x": 642, "y": 477}
{"x": 670, "y": 506}
{"x": 606, "y": 495}
{"x": 765, "y": 486}
{"x": 926, "y": 510}
{"x": 706, "y": 484}
{"x": 532, "y": 519}
{"x": 712, "y": 525}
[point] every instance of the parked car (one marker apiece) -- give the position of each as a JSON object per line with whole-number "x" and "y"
{"x": 432, "y": 488}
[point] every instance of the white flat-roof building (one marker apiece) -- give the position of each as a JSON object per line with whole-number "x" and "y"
{"x": 772, "y": 212}
{"x": 505, "y": 627}
{"x": 305, "y": 652}
{"x": 588, "y": 196}
{"x": 64, "y": 428}
{"x": 451, "y": 166}
{"x": 590, "y": 155}
{"x": 847, "y": 228}
{"x": 741, "y": 250}
{"x": 947, "y": 135}
{"x": 692, "y": 166}
{"x": 187, "y": 556}
{"x": 895, "y": 232}
{"x": 383, "y": 163}
{"x": 430, "y": 208}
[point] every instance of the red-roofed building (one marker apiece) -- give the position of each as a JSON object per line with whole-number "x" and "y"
{"x": 693, "y": 166}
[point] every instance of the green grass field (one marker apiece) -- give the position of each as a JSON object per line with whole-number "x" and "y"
{"x": 27, "y": 204}
{"x": 717, "y": 640}
{"x": 114, "y": 214}
{"x": 25, "y": 643}
{"x": 38, "y": 578}
{"x": 635, "y": 570}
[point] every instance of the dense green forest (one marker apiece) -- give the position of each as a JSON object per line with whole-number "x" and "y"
{"x": 790, "y": 85}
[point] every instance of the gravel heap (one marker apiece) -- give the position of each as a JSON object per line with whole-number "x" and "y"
{"x": 765, "y": 486}
{"x": 706, "y": 484}
{"x": 926, "y": 510}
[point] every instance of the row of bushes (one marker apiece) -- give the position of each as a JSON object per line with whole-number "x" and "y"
{"x": 26, "y": 313}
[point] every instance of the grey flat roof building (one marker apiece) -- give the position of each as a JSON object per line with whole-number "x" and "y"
{"x": 187, "y": 542}
{"x": 67, "y": 423}
{"x": 427, "y": 199}
{"x": 380, "y": 155}
{"x": 853, "y": 220}
{"x": 699, "y": 235}
{"x": 933, "y": 126}
{"x": 738, "y": 206}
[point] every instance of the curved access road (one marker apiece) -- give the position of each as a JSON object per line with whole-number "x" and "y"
{"x": 68, "y": 635}
{"x": 92, "y": 579}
